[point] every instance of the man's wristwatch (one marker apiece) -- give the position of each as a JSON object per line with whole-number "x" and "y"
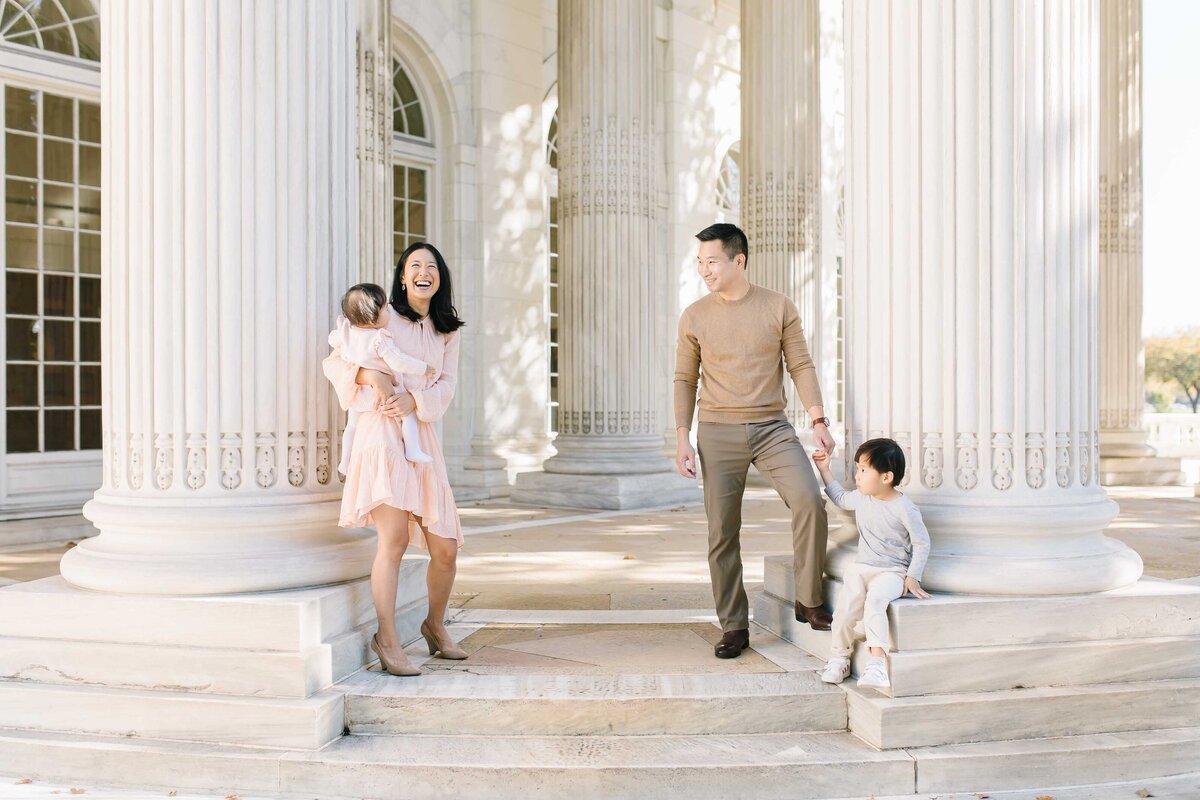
{"x": 821, "y": 421}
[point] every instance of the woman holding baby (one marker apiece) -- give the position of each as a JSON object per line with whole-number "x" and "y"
{"x": 408, "y": 366}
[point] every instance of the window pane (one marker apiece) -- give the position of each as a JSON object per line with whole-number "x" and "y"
{"x": 89, "y": 297}
{"x": 416, "y": 185}
{"x": 60, "y": 430}
{"x": 89, "y": 253}
{"x": 59, "y": 161}
{"x": 416, "y": 219}
{"x": 89, "y": 341}
{"x": 59, "y": 116}
{"x": 58, "y": 250}
{"x": 89, "y": 122}
{"x": 22, "y": 246}
{"x": 22, "y": 431}
{"x": 20, "y": 109}
{"x": 89, "y": 209}
{"x": 416, "y": 121}
{"x": 21, "y": 340}
{"x": 22, "y": 385}
{"x": 58, "y": 295}
{"x": 58, "y": 205}
{"x": 20, "y": 153}
{"x": 399, "y": 216}
{"x": 89, "y": 386}
{"x": 60, "y": 340}
{"x": 89, "y": 429}
{"x": 22, "y": 201}
{"x": 22, "y": 292}
{"x": 397, "y": 247}
{"x": 89, "y": 165}
{"x": 60, "y": 385}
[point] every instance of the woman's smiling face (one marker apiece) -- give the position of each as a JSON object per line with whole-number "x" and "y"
{"x": 421, "y": 277}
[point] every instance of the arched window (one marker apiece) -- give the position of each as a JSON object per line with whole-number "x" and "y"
{"x": 413, "y": 161}
{"x": 552, "y": 294}
{"x": 729, "y": 185}
{"x": 69, "y": 27}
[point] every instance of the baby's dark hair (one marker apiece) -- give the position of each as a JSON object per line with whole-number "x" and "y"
{"x": 884, "y": 455}
{"x": 362, "y": 303}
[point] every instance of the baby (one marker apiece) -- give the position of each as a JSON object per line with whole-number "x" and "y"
{"x": 362, "y": 336}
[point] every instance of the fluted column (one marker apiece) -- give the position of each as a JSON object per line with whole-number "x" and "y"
{"x": 229, "y": 229}
{"x": 611, "y": 416}
{"x": 781, "y": 157}
{"x": 972, "y": 218}
{"x": 374, "y": 128}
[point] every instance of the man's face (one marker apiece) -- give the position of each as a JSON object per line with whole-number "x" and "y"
{"x": 719, "y": 271}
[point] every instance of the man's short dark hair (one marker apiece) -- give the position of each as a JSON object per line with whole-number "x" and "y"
{"x": 884, "y": 455}
{"x": 731, "y": 237}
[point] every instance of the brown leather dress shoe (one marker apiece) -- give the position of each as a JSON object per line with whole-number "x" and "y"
{"x": 732, "y": 643}
{"x": 816, "y": 616}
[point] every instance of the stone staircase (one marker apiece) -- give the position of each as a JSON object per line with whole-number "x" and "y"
{"x": 616, "y": 704}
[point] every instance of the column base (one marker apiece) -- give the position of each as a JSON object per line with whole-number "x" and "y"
{"x": 483, "y": 477}
{"x": 615, "y": 492}
{"x": 185, "y": 546}
{"x": 1141, "y": 471}
{"x": 246, "y": 669}
{"x": 1016, "y": 549}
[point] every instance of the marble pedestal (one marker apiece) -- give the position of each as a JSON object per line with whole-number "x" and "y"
{"x": 609, "y": 492}
{"x": 1141, "y": 471}
{"x": 247, "y": 669}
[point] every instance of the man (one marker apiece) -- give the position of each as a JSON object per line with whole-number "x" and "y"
{"x": 740, "y": 338}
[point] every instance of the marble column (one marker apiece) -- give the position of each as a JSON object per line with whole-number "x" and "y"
{"x": 508, "y": 210}
{"x": 1126, "y": 456}
{"x": 781, "y": 159}
{"x": 972, "y": 282}
{"x": 229, "y": 230}
{"x": 374, "y": 82}
{"x": 612, "y": 411}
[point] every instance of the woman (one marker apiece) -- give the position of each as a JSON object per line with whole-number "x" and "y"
{"x": 406, "y": 501}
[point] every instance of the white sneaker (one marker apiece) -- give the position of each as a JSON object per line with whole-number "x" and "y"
{"x": 875, "y": 675}
{"x": 837, "y": 670}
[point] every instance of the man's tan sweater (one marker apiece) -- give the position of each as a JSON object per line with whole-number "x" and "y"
{"x": 734, "y": 349}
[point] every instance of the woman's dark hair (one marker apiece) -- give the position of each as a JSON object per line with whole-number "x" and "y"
{"x": 441, "y": 307}
{"x": 884, "y": 455}
{"x": 362, "y": 303}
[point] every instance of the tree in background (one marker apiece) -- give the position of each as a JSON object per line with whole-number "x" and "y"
{"x": 1176, "y": 360}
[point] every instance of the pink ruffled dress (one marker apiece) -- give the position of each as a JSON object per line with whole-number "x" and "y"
{"x": 377, "y": 471}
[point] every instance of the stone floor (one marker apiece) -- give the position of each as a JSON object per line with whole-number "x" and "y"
{"x": 532, "y": 558}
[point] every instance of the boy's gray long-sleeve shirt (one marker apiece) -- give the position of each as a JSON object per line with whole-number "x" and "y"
{"x": 891, "y": 533}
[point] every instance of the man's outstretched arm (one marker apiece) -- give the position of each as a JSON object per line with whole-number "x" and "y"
{"x": 799, "y": 363}
{"x": 687, "y": 377}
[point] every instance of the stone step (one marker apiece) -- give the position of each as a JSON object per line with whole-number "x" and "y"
{"x": 761, "y": 765}
{"x": 894, "y": 722}
{"x": 306, "y": 723}
{"x": 1043, "y": 764}
{"x": 973, "y": 669}
{"x": 257, "y": 673}
{"x": 500, "y": 705}
{"x": 291, "y": 621}
{"x": 1150, "y": 608}
{"x": 796, "y": 766}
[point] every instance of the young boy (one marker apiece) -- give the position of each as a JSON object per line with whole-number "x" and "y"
{"x": 893, "y": 546}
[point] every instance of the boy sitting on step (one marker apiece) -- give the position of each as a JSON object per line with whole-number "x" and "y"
{"x": 893, "y": 546}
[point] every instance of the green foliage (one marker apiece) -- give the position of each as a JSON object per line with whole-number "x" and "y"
{"x": 1177, "y": 360}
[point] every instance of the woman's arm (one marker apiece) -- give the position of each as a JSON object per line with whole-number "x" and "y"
{"x": 433, "y": 402}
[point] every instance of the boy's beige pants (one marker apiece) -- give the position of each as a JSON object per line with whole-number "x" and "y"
{"x": 726, "y": 452}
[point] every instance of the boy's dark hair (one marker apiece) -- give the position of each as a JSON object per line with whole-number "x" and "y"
{"x": 884, "y": 455}
{"x": 732, "y": 239}
{"x": 362, "y": 303}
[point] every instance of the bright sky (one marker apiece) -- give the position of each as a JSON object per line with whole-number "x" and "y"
{"x": 1171, "y": 164}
